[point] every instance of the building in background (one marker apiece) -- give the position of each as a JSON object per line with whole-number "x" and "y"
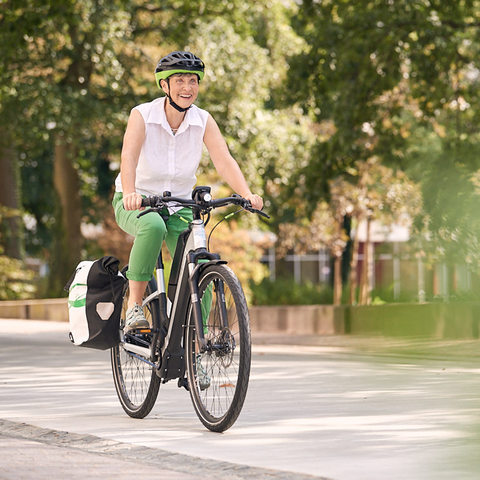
{"x": 398, "y": 275}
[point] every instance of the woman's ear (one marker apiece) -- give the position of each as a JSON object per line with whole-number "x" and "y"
{"x": 164, "y": 85}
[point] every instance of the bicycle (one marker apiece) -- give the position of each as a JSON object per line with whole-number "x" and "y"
{"x": 199, "y": 328}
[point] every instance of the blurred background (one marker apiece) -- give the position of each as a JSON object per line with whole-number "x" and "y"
{"x": 358, "y": 122}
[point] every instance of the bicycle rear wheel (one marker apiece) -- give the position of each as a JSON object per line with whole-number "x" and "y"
{"x": 218, "y": 378}
{"x": 135, "y": 381}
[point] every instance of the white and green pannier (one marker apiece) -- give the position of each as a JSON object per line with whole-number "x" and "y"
{"x": 95, "y": 293}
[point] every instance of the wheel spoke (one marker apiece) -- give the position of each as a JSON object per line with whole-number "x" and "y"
{"x": 135, "y": 381}
{"x": 226, "y": 361}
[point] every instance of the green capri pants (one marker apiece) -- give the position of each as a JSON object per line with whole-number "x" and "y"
{"x": 149, "y": 231}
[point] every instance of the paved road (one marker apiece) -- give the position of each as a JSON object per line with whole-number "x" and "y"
{"x": 340, "y": 408}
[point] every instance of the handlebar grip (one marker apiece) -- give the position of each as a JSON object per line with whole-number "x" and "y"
{"x": 149, "y": 202}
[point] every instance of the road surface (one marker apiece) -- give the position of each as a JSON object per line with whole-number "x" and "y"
{"x": 338, "y": 408}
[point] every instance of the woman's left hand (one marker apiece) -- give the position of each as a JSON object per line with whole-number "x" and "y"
{"x": 256, "y": 201}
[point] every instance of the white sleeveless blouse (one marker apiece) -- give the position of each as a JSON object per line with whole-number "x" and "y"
{"x": 168, "y": 162}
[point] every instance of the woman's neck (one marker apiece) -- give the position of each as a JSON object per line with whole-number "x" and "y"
{"x": 174, "y": 118}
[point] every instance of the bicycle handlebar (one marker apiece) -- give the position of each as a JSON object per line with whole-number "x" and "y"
{"x": 203, "y": 204}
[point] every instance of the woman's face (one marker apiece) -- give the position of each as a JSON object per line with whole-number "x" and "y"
{"x": 183, "y": 88}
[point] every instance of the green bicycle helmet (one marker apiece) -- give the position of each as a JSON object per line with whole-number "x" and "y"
{"x": 178, "y": 62}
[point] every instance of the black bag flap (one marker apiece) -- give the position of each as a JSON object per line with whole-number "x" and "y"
{"x": 110, "y": 264}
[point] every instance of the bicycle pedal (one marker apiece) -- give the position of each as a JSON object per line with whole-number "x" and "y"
{"x": 140, "y": 331}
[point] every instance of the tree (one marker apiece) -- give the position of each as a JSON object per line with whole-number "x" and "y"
{"x": 397, "y": 80}
{"x": 369, "y": 192}
{"x": 71, "y": 72}
{"x": 63, "y": 79}
{"x": 323, "y": 230}
{"x": 245, "y": 73}
{"x": 11, "y": 227}
{"x": 388, "y": 197}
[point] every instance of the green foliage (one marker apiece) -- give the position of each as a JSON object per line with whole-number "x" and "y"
{"x": 367, "y": 63}
{"x": 286, "y": 291}
{"x": 242, "y": 78}
{"x": 381, "y": 296}
{"x": 76, "y": 69}
{"x": 235, "y": 245}
{"x": 397, "y": 80}
{"x": 304, "y": 91}
{"x": 15, "y": 278}
{"x": 65, "y": 72}
{"x": 453, "y": 203}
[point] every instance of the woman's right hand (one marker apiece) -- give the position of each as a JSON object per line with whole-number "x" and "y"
{"x": 133, "y": 201}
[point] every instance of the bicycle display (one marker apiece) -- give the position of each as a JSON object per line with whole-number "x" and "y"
{"x": 199, "y": 329}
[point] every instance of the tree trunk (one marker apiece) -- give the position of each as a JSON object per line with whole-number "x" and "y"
{"x": 365, "y": 280}
{"x": 337, "y": 278}
{"x": 436, "y": 283}
{"x": 337, "y": 262}
{"x": 68, "y": 240}
{"x": 11, "y": 224}
{"x": 353, "y": 270}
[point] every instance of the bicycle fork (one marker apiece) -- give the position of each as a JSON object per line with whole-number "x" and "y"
{"x": 195, "y": 269}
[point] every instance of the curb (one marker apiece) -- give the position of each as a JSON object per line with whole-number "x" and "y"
{"x": 177, "y": 462}
{"x": 54, "y": 309}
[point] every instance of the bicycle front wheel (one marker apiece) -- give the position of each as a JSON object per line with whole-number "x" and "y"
{"x": 218, "y": 378}
{"x": 136, "y": 382}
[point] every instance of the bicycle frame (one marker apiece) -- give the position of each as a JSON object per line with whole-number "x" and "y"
{"x": 191, "y": 257}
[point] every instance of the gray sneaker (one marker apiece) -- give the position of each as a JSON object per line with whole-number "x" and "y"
{"x": 202, "y": 375}
{"x": 135, "y": 318}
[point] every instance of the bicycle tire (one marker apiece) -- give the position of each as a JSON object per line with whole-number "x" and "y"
{"x": 136, "y": 382}
{"x": 227, "y": 365}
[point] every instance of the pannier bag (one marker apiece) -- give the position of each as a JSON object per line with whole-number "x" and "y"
{"x": 95, "y": 303}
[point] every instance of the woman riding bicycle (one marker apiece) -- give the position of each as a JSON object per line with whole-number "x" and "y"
{"x": 162, "y": 149}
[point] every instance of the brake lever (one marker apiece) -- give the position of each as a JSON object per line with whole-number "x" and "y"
{"x": 148, "y": 210}
{"x": 248, "y": 206}
{"x": 259, "y": 212}
{"x": 250, "y": 209}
